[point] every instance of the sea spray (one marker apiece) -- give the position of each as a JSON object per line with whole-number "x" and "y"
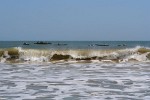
{"x": 44, "y": 55}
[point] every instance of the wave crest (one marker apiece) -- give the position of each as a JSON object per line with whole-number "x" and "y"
{"x": 35, "y": 55}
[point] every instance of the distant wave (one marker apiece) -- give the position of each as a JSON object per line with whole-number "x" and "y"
{"x": 20, "y": 55}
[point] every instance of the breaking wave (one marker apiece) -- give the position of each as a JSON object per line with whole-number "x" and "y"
{"x": 18, "y": 54}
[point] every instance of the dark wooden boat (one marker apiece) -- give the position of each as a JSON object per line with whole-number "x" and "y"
{"x": 41, "y": 42}
{"x": 26, "y": 44}
{"x": 101, "y": 44}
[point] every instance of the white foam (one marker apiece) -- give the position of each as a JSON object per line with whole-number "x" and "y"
{"x": 123, "y": 55}
{"x": 67, "y": 80}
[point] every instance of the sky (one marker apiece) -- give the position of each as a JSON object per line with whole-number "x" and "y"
{"x": 75, "y": 20}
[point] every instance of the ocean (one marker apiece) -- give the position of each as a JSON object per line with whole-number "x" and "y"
{"x": 75, "y": 70}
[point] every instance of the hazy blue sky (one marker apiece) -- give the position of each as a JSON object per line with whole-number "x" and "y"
{"x": 74, "y": 19}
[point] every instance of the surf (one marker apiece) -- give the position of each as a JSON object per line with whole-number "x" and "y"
{"x": 18, "y": 54}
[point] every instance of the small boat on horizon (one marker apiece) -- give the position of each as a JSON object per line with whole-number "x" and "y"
{"x": 59, "y": 44}
{"x": 41, "y": 42}
{"x": 26, "y": 44}
{"x": 101, "y": 44}
{"x": 122, "y": 45}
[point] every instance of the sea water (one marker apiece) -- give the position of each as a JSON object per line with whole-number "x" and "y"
{"x": 76, "y": 71}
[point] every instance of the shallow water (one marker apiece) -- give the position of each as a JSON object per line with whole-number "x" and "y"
{"x": 75, "y": 81}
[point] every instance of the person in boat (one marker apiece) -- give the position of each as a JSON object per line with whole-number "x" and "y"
{"x": 101, "y": 44}
{"x": 25, "y": 43}
{"x": 41, "y": 42}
